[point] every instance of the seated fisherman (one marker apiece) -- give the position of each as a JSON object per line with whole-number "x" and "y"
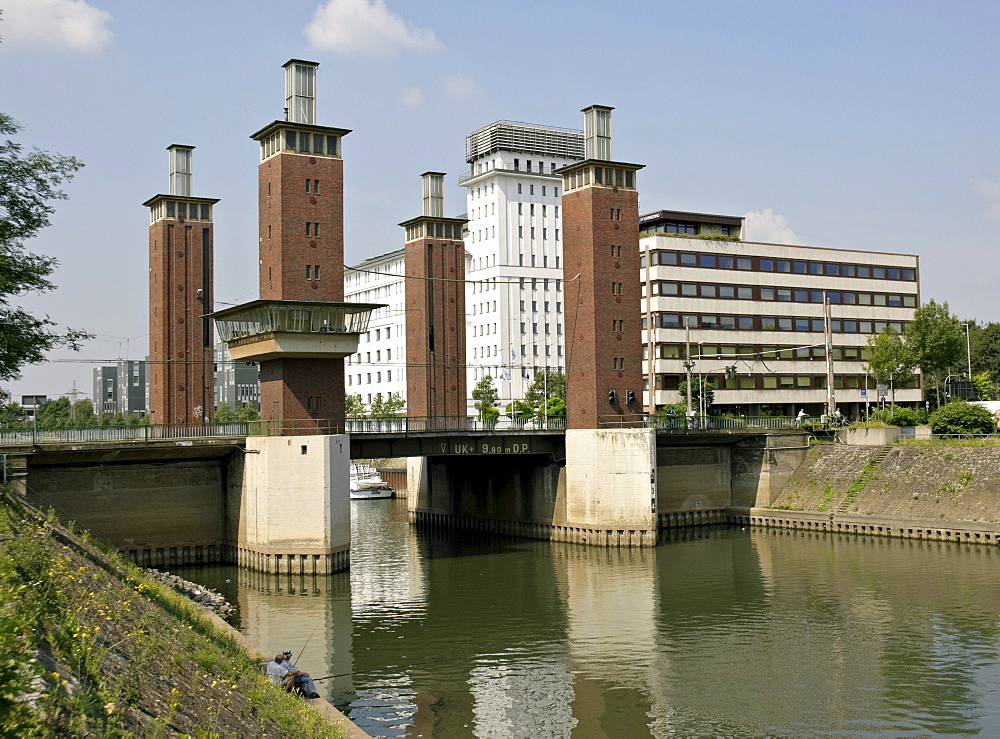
{"x": 302, "y": 679}
{"x": 279, "y": 674}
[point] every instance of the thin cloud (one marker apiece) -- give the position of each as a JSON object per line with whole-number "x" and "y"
{"x": 768, "y": 227}
{"x": 71, "y": 25}
{"x": 461, "y": 86}
{"x": 365, "y": 28}
{"x": 989, "y": 191}
{"x": 413, "y": 97}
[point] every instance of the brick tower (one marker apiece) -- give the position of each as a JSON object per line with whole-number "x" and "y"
{"x": 435, "y": 308}
{"x": 299, "y": 331}
{"x": 602, "y": 284}
{"x": 181, "y": 385}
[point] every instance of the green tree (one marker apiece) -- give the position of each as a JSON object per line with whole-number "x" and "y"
{"x": 548, "y": 383}
{"x": 53, "y": 414}
{"x": 554, "y": 408}
{"x": 984, "y": 343}
{"x": 81, "y": 413}
{"x": 247, "y": 414}
{"x": 959, "y": 417}
{"x": 935, "y": 338}
{"x": 890, "y": 361}
{"x": 390, "y": 407}
{"x": 698, "y": 386}
{"x": 224, "y": 414}
{"x": 11, "y": 412}
{"x": 486, "y": 396}
{"x": 984, "y": 385}
{"x": 28, "y": 182}
{"x": 519, "y": 410}
{"x": 355, "y": 406}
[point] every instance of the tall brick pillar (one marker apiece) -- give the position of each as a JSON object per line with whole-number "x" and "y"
{"x": 601, "y": 283}
{"x": 434, "y": 255}
{"x": 181, "y": 336}
{"x": 301, "y": 216}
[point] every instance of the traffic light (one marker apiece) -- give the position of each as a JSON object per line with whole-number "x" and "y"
{"x": 612, "y": 397}
{"x": 730, "y": 372}
{"x": 629, "y": 397}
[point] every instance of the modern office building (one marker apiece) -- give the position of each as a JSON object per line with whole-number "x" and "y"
{"x": 236, "y": 382}
{"x": 514, "y": 295}
{"x": 105, "y": 390}
{"x": 120, "y": 388}
{"x": 760, "y": 310}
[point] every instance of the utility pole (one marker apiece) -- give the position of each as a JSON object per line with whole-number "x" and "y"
{"x": 688, "y": 365}
{"x": 828, "y": 350}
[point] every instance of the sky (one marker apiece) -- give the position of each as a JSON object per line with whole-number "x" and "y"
{"x": 860, "y": 125}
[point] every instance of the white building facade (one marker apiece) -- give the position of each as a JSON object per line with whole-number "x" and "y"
{"x": 719, "y": 302}
{"x": 514, "y": 296}
{"x": 379, "y": 366}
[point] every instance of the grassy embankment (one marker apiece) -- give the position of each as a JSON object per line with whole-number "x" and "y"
{"x": 89, "y": 644}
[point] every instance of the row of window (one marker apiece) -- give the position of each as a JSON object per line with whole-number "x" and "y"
{"x": 547, "y": 327}
{"x": 545, "y": 303}
{"x": 531, "y": 190}
{"x": 787, "y": 266}
{"x": 302, "y": 142}
{"x": 312, "y": 186}
{"x": 312, "y": 271}
{"x": 356, "y": 358}
{"x": 531, "y": 209}
{"x": 378, "y": 378}
{"x": 756, "y": 353}
{"x": 599, "y": 175}
{"x": 176, "y": 209}
{"x": 780, "y": 294}
{"x": 771, "y": 323}
{"x": 545, "y": 232}
{"x": 779, "y": 382}
{"x": 434, "y": 230}
{"x": 545, "y": 260}
{"x": 541, "y": 166}
{"x": 312, "y": 229}
{"x": 679, "y": 227}
{"x": 532, "y": 282}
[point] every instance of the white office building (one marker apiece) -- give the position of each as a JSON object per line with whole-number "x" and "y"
{"x": 758, "y": 309}
{"x": 514, "y": 298}
{"x": 379, "y": 366}
{"x": 514, "y": 295}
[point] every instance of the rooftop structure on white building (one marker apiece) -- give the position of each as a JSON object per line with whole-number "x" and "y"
{"x": 758, "y": 319}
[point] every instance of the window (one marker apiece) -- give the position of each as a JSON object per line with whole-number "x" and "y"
{"x": 815, "y": 268}
{"x": 727, "y": 291}
{"x": 767, "y": 265}
{"x": 689, "y": 260}
{"x": 708, "y": 291}
{"x": 767, "y": 293}
{"x": 744, "y": 293}
{"x": 531, "y": 189}
{"x": 744, "y": 263}
{"x": 726, "y": 262}
{"x": 706, "y": 260}
{"x": 518, "y": 188}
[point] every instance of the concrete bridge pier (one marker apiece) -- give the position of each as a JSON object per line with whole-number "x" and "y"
{"x": 604, "y": 494}
{"x": 289, "y": 505}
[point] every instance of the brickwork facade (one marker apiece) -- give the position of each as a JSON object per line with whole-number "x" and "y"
{"x": 181, "y": 337}
{"x": 602, "y": 295}
{"x": 435, "y": 325}
{"x": 301, "y": 219}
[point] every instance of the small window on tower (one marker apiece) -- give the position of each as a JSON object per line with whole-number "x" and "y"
{"x": 308, "y": 271}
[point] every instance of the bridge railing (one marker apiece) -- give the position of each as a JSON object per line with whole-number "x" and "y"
{"x": 25, "y": 434}
{"x": 696, "y": 423}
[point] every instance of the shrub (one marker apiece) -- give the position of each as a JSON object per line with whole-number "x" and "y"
{"x": 959, "y": 417}
{"x": 901, "y": 416}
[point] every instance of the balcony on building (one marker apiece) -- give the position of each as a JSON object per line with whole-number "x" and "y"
{"x": 292, "y": 329}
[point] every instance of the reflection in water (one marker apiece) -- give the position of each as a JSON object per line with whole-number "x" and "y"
{"x": 721, "y": 631}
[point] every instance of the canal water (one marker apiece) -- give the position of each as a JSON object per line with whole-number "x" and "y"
{"x": 717, "y": 631}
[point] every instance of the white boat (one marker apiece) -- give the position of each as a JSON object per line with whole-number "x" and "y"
{"x": 367, "y": 483}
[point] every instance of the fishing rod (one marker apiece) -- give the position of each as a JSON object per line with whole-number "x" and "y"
{"x": 327, "y": 677}
{"x": 307, "y": 642}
